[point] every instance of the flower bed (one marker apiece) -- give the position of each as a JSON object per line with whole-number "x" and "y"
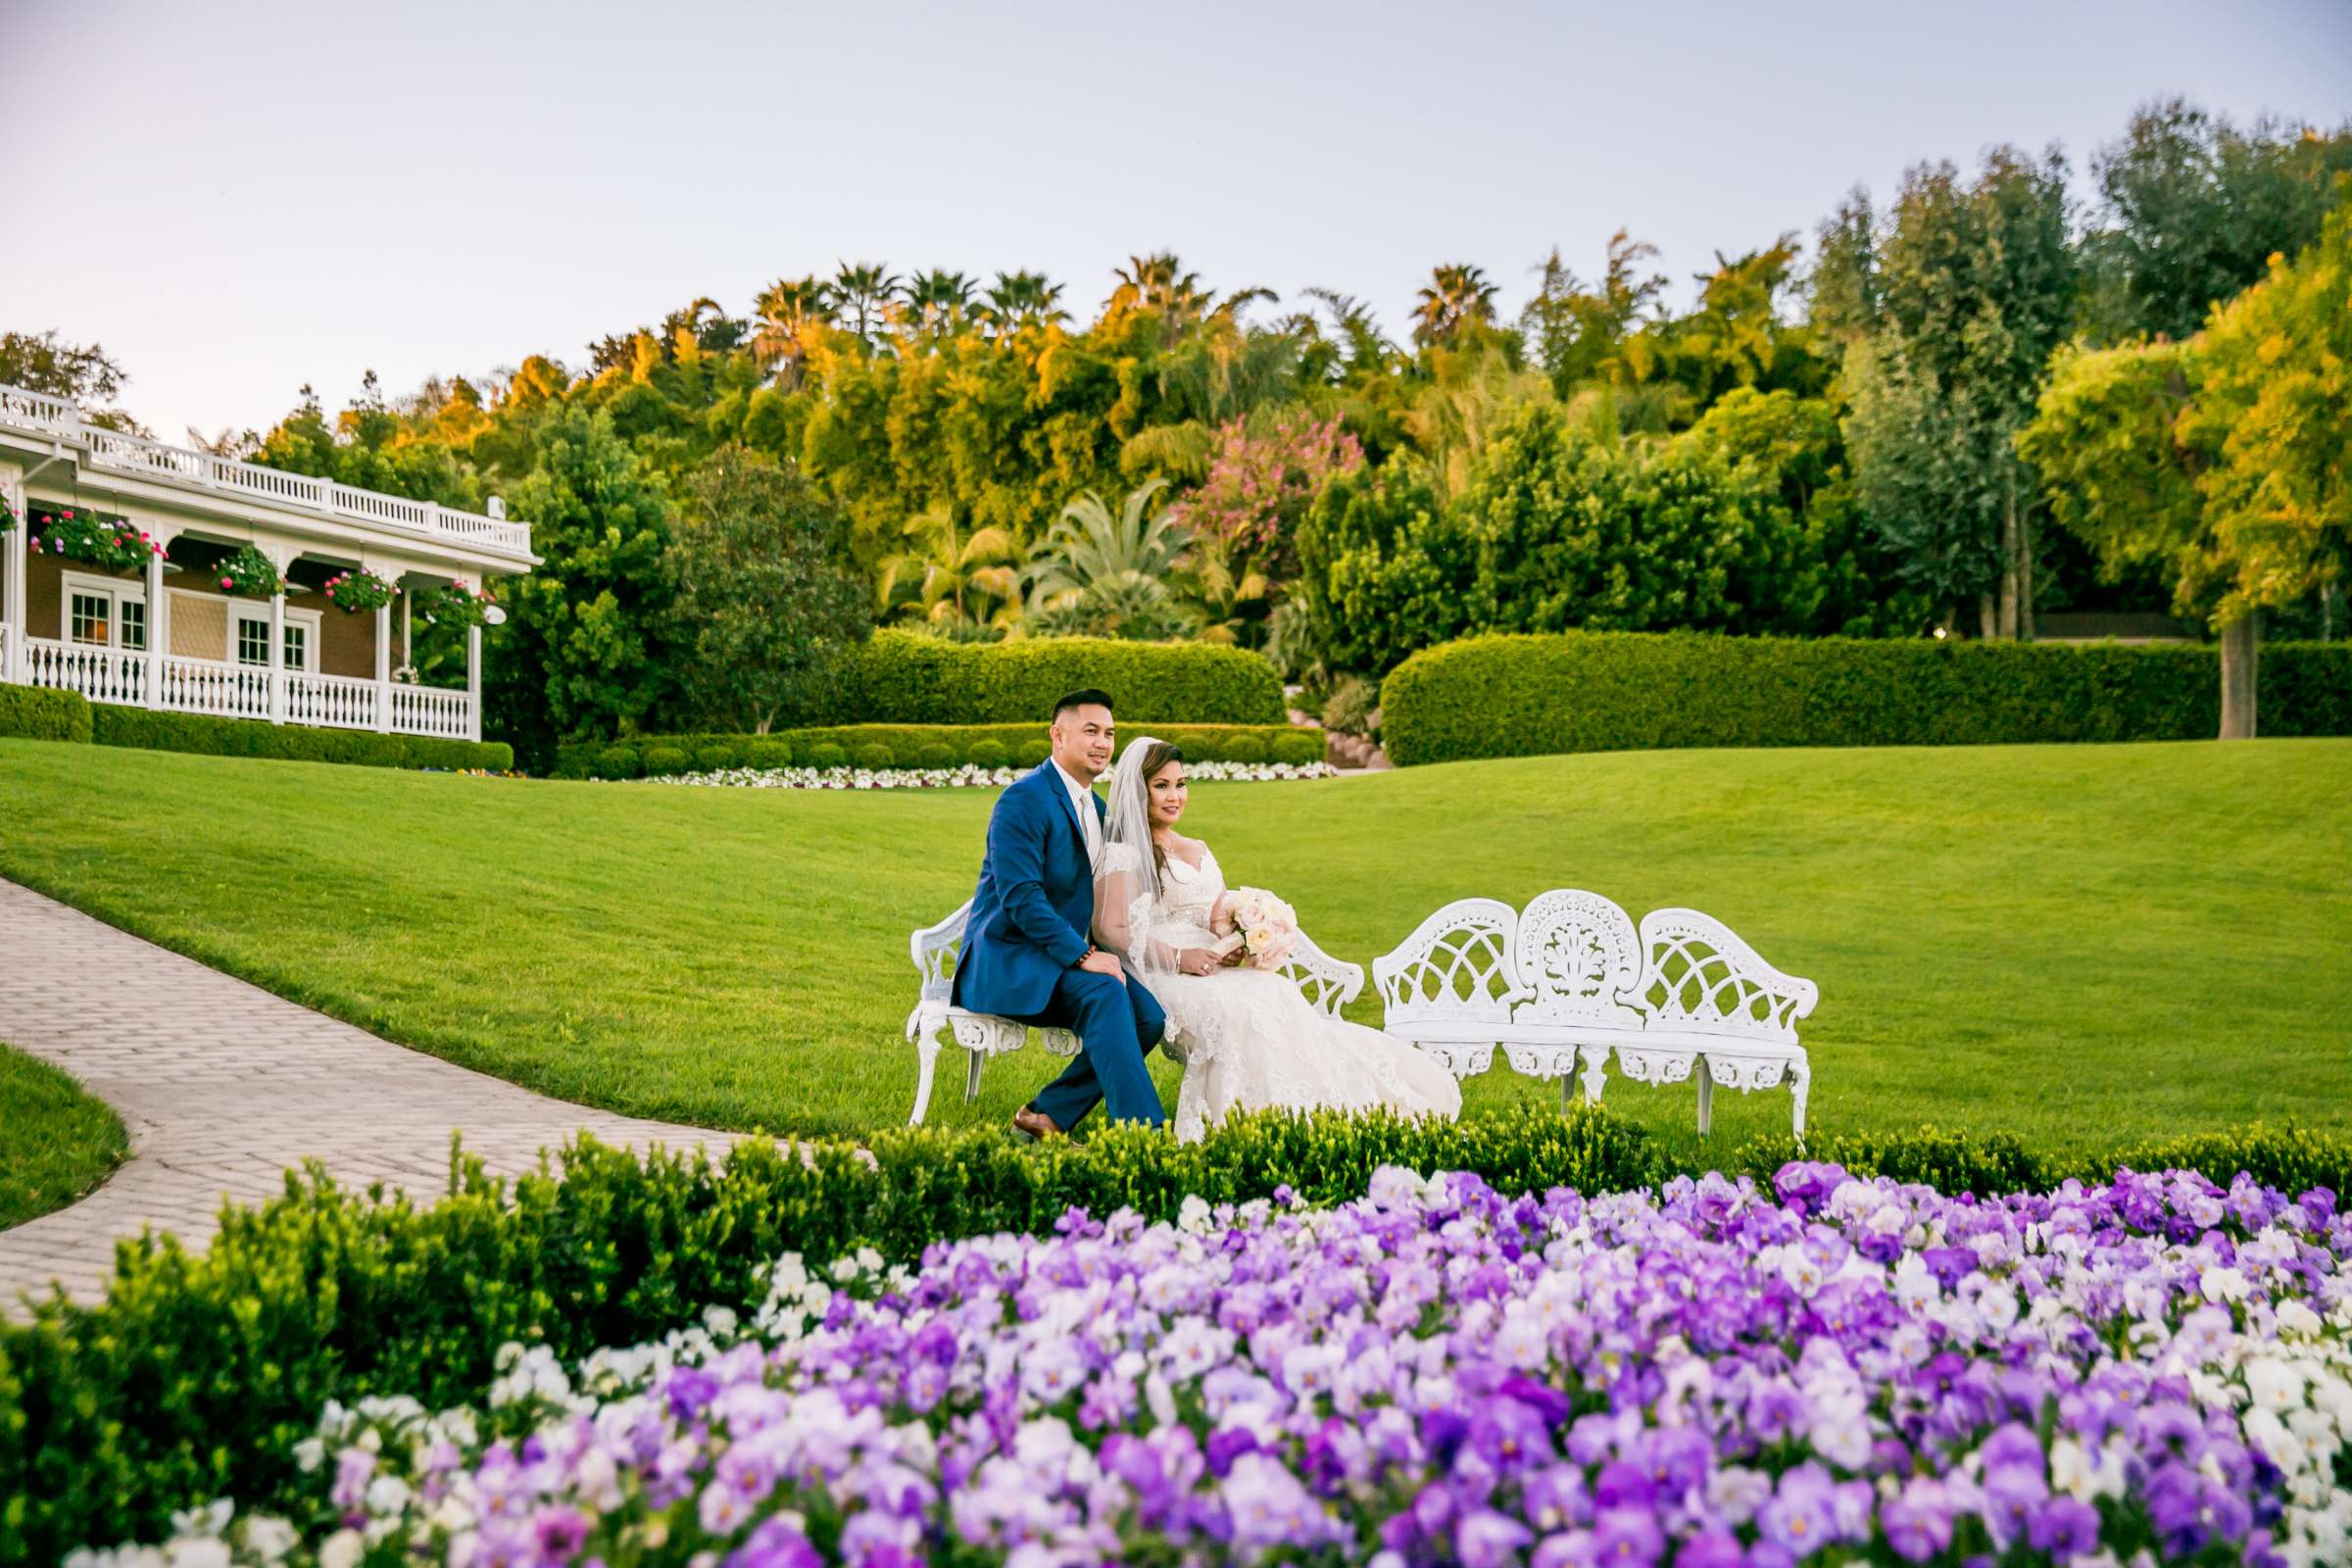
{"x": 1437, "y": 1374}
{"x": 961, "y": 778}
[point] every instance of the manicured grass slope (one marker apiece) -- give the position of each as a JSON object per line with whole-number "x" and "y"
{"x": 56, "y": 1141}
{"x": 2078, "y": 944}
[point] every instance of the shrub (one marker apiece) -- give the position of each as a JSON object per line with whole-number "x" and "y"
{"x": 767, "y": 754}
{"x": 934, "y": 754}
{"x": 710, "y": 758}
{"x": 252, "y": 737}
{"x": 620, "y": 762}
{"x": 37, "y": 713}
{"x": 825, "y": 753}
{"x": 660, "y": 761}
{"x": 1299, "y": 748}
{"x": 1613, "y": 691}
{"x": 987, "y": 754}
{"x": 1032, "y": 752}
{"x": 903, "y": 677}
{"x": 1244, "y": 749}
{"x": 875, "y": 755}
{"x": 198, "y": 1372}
{"x": 921, "y": 745}
{"x": 1353, "y": 707}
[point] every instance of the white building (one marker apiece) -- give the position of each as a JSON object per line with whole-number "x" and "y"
{"x": 170, "y": 637}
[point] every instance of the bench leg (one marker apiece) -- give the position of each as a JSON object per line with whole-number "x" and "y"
{"x": 927, "y": 1050}
{"x": 971, "y": 1076}
{"x": 1706, "y": 1096}
{"x": 1596, "y": 1063}
{"x": 1801, "y": 1084}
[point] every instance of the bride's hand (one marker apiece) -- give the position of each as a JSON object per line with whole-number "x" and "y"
{"x": 1196, "y": 962}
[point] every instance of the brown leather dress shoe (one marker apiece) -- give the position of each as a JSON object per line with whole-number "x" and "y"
{"x": 1029, "y": 1124}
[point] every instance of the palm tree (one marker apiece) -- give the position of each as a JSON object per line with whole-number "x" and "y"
{"x": 949, "y": 578}
{"x": 937, "y": 301}
{"x": 1022, "y": 299}
{"x": 1456, "y": 293}
{"x": 1158, "y": 282}
{"x": 1106, "y": 576}
{"x": 864, "y": 292}
{"x": 791, "y": 310}
{"x": 1368, "y": 346}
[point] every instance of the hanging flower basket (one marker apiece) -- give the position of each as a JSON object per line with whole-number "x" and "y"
{"x": 87, "y": 537}
{"x": 359, "y": 592}
{"x": 249, "y": 575}
{"x": 458, "y": 605}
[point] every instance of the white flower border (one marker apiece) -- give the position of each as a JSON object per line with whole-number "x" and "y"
{"x": 961, "y": 778}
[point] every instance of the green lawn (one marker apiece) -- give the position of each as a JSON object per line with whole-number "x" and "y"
{"x": 56, "y": 1142}
{"x": 2078, "y": 944}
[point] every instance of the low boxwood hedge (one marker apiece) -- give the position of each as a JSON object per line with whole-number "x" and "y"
{"x": 252, "y": 737}
{"x": 197, "y": 1375}
{"x": 907, "y": 678}
{"x": 37, "y": 713}
{"x": 1525, "y": 695}
{"x": 935, "y": 745}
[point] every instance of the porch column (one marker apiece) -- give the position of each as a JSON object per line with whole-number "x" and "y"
{"x": 277, "y": 655}
{"x": 158, "y": 630}
{"x": 12, "y": 578}
{"x": 474, "y": 683}
{"x": 383, "y": 669}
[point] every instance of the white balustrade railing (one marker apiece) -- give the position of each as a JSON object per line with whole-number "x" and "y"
{"x": 59, "y": 418}
{"x": 431, "y": 711}
{"x": 336, "y": 700}
{"x": 102, "y": 674}
{"x": 241, "y": 691}
{"x": 212, "y": 686}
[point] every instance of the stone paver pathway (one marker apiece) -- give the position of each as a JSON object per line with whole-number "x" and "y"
{"x": 223, "y": 1086}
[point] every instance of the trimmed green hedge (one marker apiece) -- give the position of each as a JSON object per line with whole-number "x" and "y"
{"x": 37, "y": 713}
{"x": 876, "y": 745}
{"x": 902, "y": 677}
{"x": 1628, "y": 691}
{"x": 252, "y": 737}
{"x": 198, "y": 1374}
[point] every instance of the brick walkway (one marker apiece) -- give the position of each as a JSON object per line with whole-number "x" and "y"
{"x": 223, "y": 1086}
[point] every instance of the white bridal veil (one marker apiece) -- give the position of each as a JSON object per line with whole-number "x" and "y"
{"x": 1127, "y": 885}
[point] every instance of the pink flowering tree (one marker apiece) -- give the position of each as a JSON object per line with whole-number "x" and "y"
{"x": 1263, "y": 475}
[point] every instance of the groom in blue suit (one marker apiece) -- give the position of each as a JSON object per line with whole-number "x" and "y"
{"x": 1027, "y": 953}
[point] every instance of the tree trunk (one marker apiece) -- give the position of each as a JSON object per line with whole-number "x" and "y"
{"x": 1988, "y": 624}
{"x": 2241, "y": 646}
{"x": 2009, "y": 566}
{"x": 2025, "y": 573}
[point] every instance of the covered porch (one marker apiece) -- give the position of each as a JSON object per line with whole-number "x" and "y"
{"x": 170, "y": 635}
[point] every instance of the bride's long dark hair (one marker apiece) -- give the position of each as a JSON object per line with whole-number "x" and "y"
{"x": 1156, "y": 756}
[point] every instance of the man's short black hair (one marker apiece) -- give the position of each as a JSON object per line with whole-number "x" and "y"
{"x": 1088, "y": 698}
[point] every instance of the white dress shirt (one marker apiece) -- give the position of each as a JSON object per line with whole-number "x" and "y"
{"x": 1082, "y": 801}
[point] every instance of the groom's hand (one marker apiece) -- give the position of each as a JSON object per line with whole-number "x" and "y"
{"x": 1101, "y": 963}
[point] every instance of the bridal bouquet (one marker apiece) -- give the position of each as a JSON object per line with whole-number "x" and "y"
{"x": 1267, "y": 926}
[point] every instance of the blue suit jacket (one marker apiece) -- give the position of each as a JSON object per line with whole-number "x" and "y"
{"x": 1034, "y": 903}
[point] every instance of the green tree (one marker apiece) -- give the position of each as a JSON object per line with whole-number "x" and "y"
{"x": 1455, "y": 295}
{"x": 765, "y": 589}
{"x": 84, "y": 375}
{"x": 585, "y": 652}
{"x": 953, "y": 576}
{"x": 2193, "y": 207}
{"x": 1100, "y": 575}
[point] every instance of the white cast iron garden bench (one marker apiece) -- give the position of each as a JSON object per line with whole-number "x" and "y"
{"x": 1572, "y": 978}
{"x": 1329, "y": 983}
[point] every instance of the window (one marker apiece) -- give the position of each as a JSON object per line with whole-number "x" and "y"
{"x": 252, "y": 639}
{"x": 100, "y": 613}
{"x": 92, "y": 614}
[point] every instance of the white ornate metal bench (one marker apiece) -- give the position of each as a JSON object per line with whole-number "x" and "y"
{"x": 1329, "y": 983}
{"x": 1571, "y": 978}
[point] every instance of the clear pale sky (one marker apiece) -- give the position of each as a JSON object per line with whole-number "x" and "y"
{"x": 238, "y": 199}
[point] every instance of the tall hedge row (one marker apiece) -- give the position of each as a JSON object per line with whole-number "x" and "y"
{"x": 37, "y": 713}
{"x": 900, "y": 677}
{"x": 1529, "y": 695}
{"x": 197, "y": 1375}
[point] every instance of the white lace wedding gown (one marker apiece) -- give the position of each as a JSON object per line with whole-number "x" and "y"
{"x": 1250, "y": 1040}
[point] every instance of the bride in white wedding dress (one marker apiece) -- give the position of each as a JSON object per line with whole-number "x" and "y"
{"x": 1246, "y": 1036}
